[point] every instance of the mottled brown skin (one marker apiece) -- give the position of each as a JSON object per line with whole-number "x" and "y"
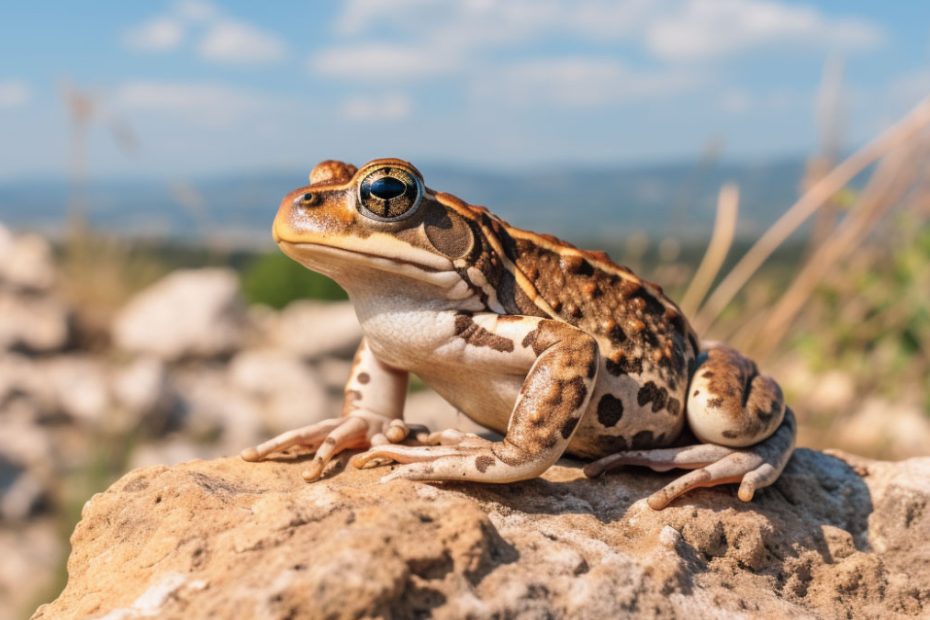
{"x": 558, "y": 348}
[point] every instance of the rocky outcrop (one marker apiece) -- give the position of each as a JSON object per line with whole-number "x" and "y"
{"x": 835, "y": 537}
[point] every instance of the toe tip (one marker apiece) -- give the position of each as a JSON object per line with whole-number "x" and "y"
{"x": 249, "y": 454}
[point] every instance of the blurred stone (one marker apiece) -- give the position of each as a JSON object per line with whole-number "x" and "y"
{"x": 81, "y": 387}
{"x": 143, "y": 387}
{"x": 33, "y": 323}
{"x": 189, "y": 313}
{"x": 26, "y": 261}
{"x": 31, "y": 555}
{"x": 22, "y": 498}
{"x": 215, "y": 409}
{"x": 313, "y": 329}
{"x": 883, "y": 427}
{"x": 22, "y": 440}
{"x": 292, "y": 394}
{"x": 171, "y": 451}
{"x": 832, "y": 391}
{"x": 429, "y": 408}
{"x": 334, "y": 372}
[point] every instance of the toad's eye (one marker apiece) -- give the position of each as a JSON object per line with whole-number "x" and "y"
{"x": 307, "y": 200}
{"x": 389, "y": 194}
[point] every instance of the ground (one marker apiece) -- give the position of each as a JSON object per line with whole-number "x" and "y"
{"x": 837, "y": 536}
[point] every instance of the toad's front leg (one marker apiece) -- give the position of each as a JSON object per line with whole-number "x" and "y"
{"x": 562, "y": 364}
{"x": 371, "y": 415}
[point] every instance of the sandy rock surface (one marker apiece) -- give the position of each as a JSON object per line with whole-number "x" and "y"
{"x": 835, "y": 537}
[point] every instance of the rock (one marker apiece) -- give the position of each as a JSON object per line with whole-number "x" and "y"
{"x": 313, "y": 329}
{"x": 21, "y": 492}
{"x": 189, "y": 313}
{"x": 832, "y": 391}
{"x": 38, "y": 324}
{"x": 26, "y": 261}
{"x": 214, "y": 408}
{"x": 31, "y": 555}
{"x": 290, "y": 393}
{"x": 143, "y": 387}
{"x": 81, "y": 388}
{"x": 880, "y": 426}
{"x": 228, "y": 539}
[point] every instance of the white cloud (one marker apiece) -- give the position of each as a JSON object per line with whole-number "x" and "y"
{"x": 704, "y": 29}
{"x": 217, "y": 37}
{"x": 673, "y": 30}
{"x": 13, "y": 94}
{"x": 239, "y": 42}
{"x": 196, "y": 10}
{"x": 157, "y": 35}
{"x": 382, "y": 62}
{"x": 585, "y": 82}
{"x": 387, "y": 107}
{"x": 214, "y": 105}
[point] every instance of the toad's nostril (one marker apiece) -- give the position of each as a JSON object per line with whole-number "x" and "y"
{"x": 387, "y": 188}
{"x": 306, "y": 200}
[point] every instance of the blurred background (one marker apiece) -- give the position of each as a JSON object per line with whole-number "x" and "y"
{"x": 764, "y": 160}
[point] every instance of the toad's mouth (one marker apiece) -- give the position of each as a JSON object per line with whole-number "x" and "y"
{"x": 340, "y": 262}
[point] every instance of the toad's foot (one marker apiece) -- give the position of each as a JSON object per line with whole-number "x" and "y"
{"x": 449, "y": 455}
{"x": 330, "y": 437}
{"x": 754, "y": 468}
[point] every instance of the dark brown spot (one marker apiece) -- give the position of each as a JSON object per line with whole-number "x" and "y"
{"x": 643, "y": 439}
{"x": 652, "y": 393}
{"x": 609, "y": 444}
{"x": 529, "y": 339}
{"x": 592, "y": 368}
{"x": 730, "y": 434}
{"x": 364, "y": 378}
{"x": 716, "y": 403}
{"x": 696, "y": 392}
{"x": 575, "y": 391}
{"x": 609, "y": 410}
{"x": 483, "y": 462}
{"x": 475, "y": 335}
{"x": 569, "y": 427}
{"x": 620, "y": 364}
{"x": 616, "y": 335}
{"x": 673, "y": 406}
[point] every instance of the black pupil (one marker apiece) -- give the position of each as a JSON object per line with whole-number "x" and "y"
{"x": 386, "y": 188}
{"x": 308, "y": 197}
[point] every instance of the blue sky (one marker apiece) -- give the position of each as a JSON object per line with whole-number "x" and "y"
{"x": 215, "y": 86}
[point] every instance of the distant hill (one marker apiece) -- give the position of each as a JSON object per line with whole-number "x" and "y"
{"x": 581, "y": 203}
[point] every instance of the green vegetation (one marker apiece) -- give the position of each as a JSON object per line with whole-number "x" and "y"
{"x": 275, "y": 280}
{"x": 873, "y": 318}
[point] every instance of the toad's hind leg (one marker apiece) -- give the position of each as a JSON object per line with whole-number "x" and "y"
{"x": 753, "y": 468}
{"x": 740, "y": 414}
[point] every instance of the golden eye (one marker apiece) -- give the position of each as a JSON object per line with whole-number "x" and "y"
{"x": 389, "y": 194}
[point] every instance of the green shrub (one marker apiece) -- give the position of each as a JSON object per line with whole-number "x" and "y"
{"x": 275, "y": 280}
